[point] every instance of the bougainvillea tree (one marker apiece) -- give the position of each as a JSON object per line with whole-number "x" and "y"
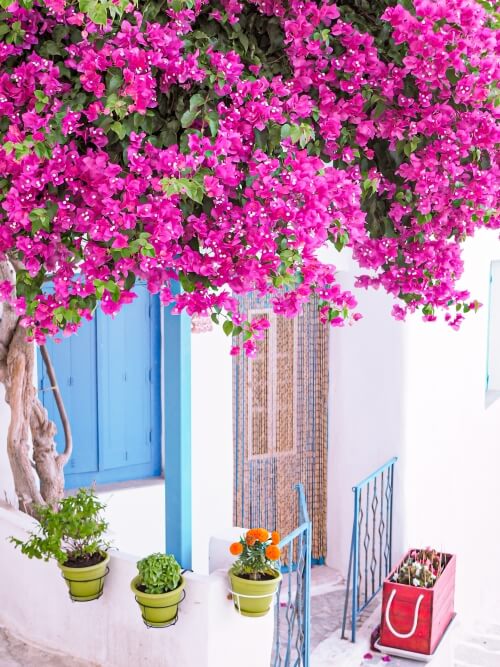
{"x": 220, "y": 145}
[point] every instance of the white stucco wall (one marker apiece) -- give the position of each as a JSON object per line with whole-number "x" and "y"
{"x": 109, "y": 631}
{"x": 365, "y": 419}
{"x": 212, "y": 441}
{"x": 7, "y": 493}
{"x": 417, "y": 390}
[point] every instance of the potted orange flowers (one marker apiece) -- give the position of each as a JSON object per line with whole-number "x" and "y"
{"x": 254, "y": 576}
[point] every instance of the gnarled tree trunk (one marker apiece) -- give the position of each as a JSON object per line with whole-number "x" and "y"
{"x": 28, "y": 416}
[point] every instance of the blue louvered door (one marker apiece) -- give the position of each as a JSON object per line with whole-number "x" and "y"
{"x": 109, "y": 376}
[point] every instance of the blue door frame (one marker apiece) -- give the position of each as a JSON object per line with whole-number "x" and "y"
{"x": 177, "y": 416}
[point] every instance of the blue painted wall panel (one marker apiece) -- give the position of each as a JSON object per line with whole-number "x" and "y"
{"x": 109, "y": 375}
{"x": 177, "y": 355}
{"x": 75, "y": 365}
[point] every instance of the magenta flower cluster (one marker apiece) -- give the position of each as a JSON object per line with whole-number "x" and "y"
{"x": 165, "y": 144}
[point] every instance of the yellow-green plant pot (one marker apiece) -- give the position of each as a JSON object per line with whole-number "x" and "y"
{"x": 158, "y": 609}
{"x": 253, "y": 598}
{"x": 85, "y": 583}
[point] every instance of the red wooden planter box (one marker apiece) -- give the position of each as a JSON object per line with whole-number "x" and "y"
{"x": 413, "y": 618}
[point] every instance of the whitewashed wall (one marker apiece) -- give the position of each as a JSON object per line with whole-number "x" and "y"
{"x": 7, "y": 492}
{"x": 212, "y": 441}
{"x": 109, "y": 631}
{"x": 417, "y": 390}
{"x": 365, "y": 419}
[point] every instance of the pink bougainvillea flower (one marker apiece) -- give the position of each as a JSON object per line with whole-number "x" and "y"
{"x": 138, "y": 148}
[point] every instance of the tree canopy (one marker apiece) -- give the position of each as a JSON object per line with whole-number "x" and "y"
{"x": 222, "y": 144}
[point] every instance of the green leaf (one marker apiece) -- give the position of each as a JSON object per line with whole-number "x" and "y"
{"x": 295, "y": 133}
{"x": 379, "y": 109}
{"x": 188, "y": 117}
{"x": 452, "y": 76}
{"x": 196, "y": 101}
{"x": 148, "y": 250}
{"x": 86, "y": 5}
{"x": 98, "y": 14}
{"x": 115, "y": 83}
{"x": 113, "y": 289}
{"x": 186, "y": 283}
{"x": 213, "y": 122}
{"x": 129, "y": 281}
{"x": 118, "y": 129}
{"x": 228, "y": 327}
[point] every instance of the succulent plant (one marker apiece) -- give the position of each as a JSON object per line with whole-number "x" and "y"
{"x": 421, "y": 568}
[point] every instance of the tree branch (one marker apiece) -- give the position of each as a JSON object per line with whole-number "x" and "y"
{"x": 68, "y": 438}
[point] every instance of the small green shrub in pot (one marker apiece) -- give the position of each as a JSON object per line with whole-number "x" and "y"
{"x": 158, "y": 589}
{"x": 159, "y": 573}
{"x": 73, "y": 535}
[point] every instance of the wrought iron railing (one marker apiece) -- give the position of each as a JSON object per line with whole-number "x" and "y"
{"x": 293, "y": 609}
{"x": 370, "y": 560}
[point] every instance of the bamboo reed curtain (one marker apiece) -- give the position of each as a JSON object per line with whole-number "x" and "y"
{"x": 280, "y": 424}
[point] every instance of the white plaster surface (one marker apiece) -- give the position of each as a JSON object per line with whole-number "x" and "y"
{"x": 135, "y": 512}
{"x": 417, "y": 390}
{"x": 7, "y": 492}
{"x": 209, "y": 633}
{"x": 212, "y": 441}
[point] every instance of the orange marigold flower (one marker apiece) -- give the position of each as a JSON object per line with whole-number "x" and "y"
{"x": 250, "y": 538}
{"x": 273, "y": 552}
{"x": 236, "y": 548}
{"x": 262, "y": 534}
{"x": 275, "y": 537}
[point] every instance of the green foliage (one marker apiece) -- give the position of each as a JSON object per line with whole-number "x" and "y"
{"x": 159, "y": 573}
{"x": 258, "y": 553}
{"x": 72, "y": 532}
{"x": 421, "y": 568}
{"x": 100, "y": 10}
{"x": 191, "y": 187}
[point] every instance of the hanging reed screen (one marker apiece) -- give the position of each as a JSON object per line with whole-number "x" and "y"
{"x": 280, "y": 424}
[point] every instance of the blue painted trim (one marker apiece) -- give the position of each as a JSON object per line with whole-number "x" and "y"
{"x": 355, "y": 554}
{"x": 78, "y": 480}
{"x": 377, "y": 472}
{"x": 353, "y": 577}
{"x": 177, "y": 415}
{"x": 156, "y": 380}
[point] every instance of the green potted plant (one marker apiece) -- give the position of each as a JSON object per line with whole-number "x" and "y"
{"x": 254, "y": 577}
{"x": 72, "y": 534}
{"x": 158, "y": 589}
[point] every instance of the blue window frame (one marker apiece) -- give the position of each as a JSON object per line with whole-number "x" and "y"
{"x": 109, "y": 374}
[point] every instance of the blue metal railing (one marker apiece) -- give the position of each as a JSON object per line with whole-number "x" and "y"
{"x": 370, "y": 559}
{"x": 292, "y": 639}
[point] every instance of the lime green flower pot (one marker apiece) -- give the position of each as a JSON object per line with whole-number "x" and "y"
{"x": 158, "y": 609}
{"x": 85, "y": 583}
{"x": 253, "y": 598}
